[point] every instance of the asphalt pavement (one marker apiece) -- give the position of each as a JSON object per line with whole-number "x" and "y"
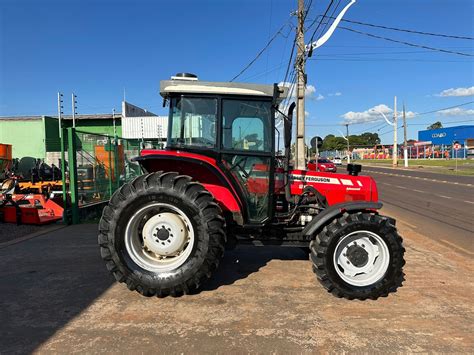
{"x": 437, "y": 205}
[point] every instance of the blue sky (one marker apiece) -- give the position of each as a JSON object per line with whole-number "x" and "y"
{"x": 99, "y": 48}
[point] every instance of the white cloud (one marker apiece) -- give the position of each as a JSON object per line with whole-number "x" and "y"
{"x": 319, "y": 97}
{"x": 456, "y": 112}
{"x": 371, "y": 115}
{"x": 309, "y": 91}
{"x": 335, "y": 94}
{"x": 457, "y": 92}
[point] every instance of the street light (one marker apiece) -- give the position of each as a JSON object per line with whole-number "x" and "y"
{"x": 394, "y": 124}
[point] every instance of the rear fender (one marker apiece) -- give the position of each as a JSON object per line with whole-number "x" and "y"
{"x": 202, "y": 169}
{"x": 334, "y": 211}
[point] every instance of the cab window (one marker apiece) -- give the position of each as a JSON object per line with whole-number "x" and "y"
{"x": 193, "y": 122}
{"x": 246, "y": 125}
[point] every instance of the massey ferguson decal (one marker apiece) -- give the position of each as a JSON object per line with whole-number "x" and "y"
{"x": 320, "y": 179}
{"x": 326, "y": 180}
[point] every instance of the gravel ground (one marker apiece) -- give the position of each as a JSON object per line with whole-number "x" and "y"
{"x": 10, "y": 231}
{"x": 58, "y": 297}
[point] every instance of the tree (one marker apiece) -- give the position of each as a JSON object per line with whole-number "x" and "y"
{"x": 435, "y": 125}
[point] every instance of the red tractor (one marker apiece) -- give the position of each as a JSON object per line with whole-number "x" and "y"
{"x": 219, "y": 183}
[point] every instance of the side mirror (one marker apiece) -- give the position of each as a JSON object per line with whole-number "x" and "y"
{"x": 354, "y": 169}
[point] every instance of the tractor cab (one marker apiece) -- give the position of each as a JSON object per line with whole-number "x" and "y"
{"x": 233, "y": 124}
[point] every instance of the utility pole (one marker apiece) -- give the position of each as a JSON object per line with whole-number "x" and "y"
{"x": 113, "y": 120}
{"x": 74, "y": 108}
{"x": 395, "y": 124}
{"x": 301, "y": 78}
{"x": 60, "y": 112}
{"x": 348, "y": 145}
{"x": 405, "y": 148}
{"x": 63, "y": 154}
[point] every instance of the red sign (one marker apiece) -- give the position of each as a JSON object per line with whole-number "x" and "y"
{"x": 456, "y": 146}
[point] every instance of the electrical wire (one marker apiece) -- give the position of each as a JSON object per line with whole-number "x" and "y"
{"x": 442, "y": 109}
{"x": 406, "y": 43}
{"x": 406, "y": 30}
{"x": 279, "y": 32}
{"x": 319, "y": 25}
{"x": 332, "y": 16}
{"x": 414, "y": 60}
{"x": 290, "y": 60}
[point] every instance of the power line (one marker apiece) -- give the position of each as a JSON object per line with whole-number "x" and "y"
{"x": 290, "y": 60}
{"x": 442, "y": 109}
{"x": 406, "y": 43}
{"x": 433, "y": 111}
{"x": 355, "y": 59}
{"x": 380, "y": 125}
{"x": 279, "y": 32}
{"x": 451, "y": 122}
{"x": 332, "y": 16}
{"x": 409, "y": 31}
{"x": 319, "y": 25}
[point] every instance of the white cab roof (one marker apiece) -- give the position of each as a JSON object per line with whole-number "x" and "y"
{"x": 218, "y": 88}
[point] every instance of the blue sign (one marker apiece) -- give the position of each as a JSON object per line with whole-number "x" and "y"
{"x": 447, "y": 136}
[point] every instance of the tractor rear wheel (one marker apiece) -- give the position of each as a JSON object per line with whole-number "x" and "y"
{"x": 359, "y": 256}
{"x": 162, "y": 234}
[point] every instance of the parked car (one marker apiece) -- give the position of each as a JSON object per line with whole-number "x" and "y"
{"x": 324, "y": 165}
{"x": 337, "y": 160}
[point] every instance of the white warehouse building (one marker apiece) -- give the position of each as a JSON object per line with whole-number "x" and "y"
{"x": 138, "y": 123}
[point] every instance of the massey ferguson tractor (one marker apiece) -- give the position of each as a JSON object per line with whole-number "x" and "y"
{"x": 219, "y": 182}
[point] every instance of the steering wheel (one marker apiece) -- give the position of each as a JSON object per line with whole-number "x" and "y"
{"x": 237, "y": 161}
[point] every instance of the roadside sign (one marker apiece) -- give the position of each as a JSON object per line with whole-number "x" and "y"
{"x": 456, "y": 146}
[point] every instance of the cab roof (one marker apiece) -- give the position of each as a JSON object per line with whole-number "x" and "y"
{"x": 177, "y": 86}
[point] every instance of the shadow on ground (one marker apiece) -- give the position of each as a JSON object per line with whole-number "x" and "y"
{"x": 47, "y": 281}
{"x": 245, "y": 260}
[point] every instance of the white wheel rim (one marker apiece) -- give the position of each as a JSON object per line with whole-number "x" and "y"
{"x": 159, "y": 237}
{"x": 361, "y": 258}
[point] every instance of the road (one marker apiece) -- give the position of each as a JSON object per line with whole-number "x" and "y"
{"x": 436, "y": 205}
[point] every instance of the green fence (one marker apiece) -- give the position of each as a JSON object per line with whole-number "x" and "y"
{"x": 97, "y": 165}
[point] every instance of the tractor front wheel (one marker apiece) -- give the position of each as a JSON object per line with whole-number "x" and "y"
{"x": 359, "y": 256}
{"x": 162, "y": 234}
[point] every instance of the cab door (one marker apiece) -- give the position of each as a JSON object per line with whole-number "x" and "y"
{"x": 247, "y": 153}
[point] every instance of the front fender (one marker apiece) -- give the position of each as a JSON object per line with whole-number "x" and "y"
{"x": 334, "y": 211}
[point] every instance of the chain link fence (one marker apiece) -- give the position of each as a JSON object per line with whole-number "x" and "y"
{"x": 97, "y": 165}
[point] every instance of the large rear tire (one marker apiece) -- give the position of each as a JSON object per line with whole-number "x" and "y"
{"x": 359, "y": 256}
{"x": 162, "y": 234}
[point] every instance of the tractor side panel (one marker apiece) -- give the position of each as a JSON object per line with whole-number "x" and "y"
{"x": 337, "y": 188}
{"x": 202, "y": 169}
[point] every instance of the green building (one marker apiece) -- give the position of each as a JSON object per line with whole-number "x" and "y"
{"x": 38, "y": 136}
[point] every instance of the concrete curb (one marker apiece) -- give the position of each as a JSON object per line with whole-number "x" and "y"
{"x": 31, "y": 236}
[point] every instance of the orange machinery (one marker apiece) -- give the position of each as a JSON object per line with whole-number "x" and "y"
{"x": 111, "y": 159}
{"x": 5, "y": 156}
{"x": 29, "y": 209}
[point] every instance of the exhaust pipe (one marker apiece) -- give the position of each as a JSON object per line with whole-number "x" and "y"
{"x": 287, "y": 126}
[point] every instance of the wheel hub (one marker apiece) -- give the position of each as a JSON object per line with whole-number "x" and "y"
{"x": 361, "y": 258}
{"x": 165, "y": 234}
{"x": 357, "y": 255}
{"x": 162, "y": 233}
